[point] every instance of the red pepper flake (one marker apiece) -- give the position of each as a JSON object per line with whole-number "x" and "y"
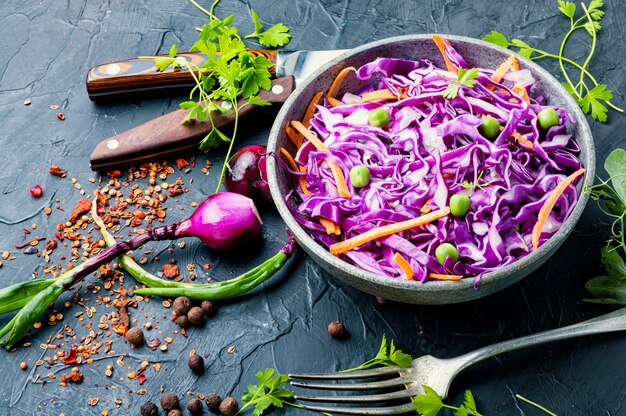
{"x": 51, "y": 244}
{"x": 115, "y": 173}
{"x": 59, "y": 236}
{"x": 84, "y": 205}
{"x": 181, "y": 163}
{"x": 56, "y": 171}
{"x": 71, "y": 357}
{"x": 153, "y": 344}
{"x": 26, "y": 231}
{"x": 141, "y": 378}
{"x": 170, "y": 271}
{"x": 60, "y": 116}
{"x": 36, "y": 191}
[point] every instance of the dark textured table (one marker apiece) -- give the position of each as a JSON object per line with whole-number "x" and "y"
{"x": 46, "y": 49}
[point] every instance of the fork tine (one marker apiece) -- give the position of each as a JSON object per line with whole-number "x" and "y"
{"x": 394, "y": 382}
{"x": 350, "y": 374}
{"x": 390, "y": 410}
{"x": 369, "y": 398}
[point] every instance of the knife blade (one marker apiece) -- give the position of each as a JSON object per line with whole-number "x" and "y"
{"x": 138, "y": 77}
{"x": 165, "y": 136}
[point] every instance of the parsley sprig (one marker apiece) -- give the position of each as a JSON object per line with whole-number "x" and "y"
{"x": 429, "y": 404}
{"x": 592, "y": 97}
{"x": 230, "y": 78}
{"x": 386, "y": 356}
{"x": 465, "y": 78}
{"x": 276, "y": 35}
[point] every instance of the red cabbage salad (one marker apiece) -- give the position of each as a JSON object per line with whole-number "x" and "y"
{"x": 431, "y": 173}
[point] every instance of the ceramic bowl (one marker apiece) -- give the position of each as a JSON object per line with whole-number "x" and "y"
{"x": 477, "y": 53}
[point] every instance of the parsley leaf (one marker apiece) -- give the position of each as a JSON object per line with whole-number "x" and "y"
{"x": 267, "y": 393}
{"x": 497, "y": 38}
{"x": 388, "y": 355}
{"x": 277, "y": 35}
{"x": 567, "y": 8}
{"x": 465, "y": 77}
{"x": 429, "y": 403}
{"x": 524, "y": 49}
{"x": 595, "y": 9}
{"x": 591, "y": 101}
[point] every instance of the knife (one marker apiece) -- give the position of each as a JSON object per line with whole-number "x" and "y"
{"x": 138, "y": 77}
{"x": 165, "y": 136}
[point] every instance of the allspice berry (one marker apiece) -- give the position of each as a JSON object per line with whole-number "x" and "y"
{"x": 213, "y": 402}
{"x": 229, "y": 406}
{"x": 196, "y": 363}
{"x": 336, "y": 329}
{"x": 183, "y": 321}
{"x": 149, "y": 409}
{"x": 182, "y": 305}
{"x": 209, "y": 307}
{"x": 169, "y": 401}
{"x": 175, "y": 412}
{"x": 134, "y": 336}
{"x": 196, "y": 315}
{"x": 194, "y": 406}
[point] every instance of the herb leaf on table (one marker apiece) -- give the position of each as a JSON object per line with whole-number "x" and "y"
{"x": 388, "y": 355}
{"x": 429, "y": 404}
{"x": 592, "y": 96}
{"x": 277, "y": 35}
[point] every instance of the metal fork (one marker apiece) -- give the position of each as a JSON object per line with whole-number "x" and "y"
{"x": 430, "y": 371}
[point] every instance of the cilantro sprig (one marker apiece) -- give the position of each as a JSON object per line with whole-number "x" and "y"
{"x": 388, "y": 355}
{"x": 230, "y": 78}
{"x": 592, "y": 97}
{"x": 465, "y": 78}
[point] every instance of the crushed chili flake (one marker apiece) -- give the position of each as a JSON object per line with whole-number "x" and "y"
{"x": 56, "y": 171}
{"x": 170, "y": 270}
{"x": 114, "y": 173}
{"x": 83, "y": 206}
{"x": 181, "y": 163}
{"x": 71, "y": 357}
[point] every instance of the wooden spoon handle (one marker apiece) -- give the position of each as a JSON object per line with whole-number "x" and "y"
{"x": 165, "y": 136}
{"x": 139, "y": 77}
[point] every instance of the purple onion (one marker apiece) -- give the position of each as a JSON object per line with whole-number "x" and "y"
{"x": 247, "y": 173}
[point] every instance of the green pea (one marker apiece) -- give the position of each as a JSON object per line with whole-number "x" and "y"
{"x": 378, "y": 117}
{"x": 360, "y": 176}
{"x": 548, "y": 117}
{"x": 489, "y": 127}
{"x": 459, "y": 204}
{"x": 446, "y": 250}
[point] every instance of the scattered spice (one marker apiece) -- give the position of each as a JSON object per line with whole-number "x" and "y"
{"x": 71, "y": 357}
{"x": 170, "y": 271}
{"x": 196, "y": 363}
{"x": 175, "y": 412}
{"x": 194, "y": 406}
{"x": 36, "y": 191}
{"x": 213, "y": 402}
{"x": 60, "y": 116}
{"x": 153, "y": 344}
{"x": 56, "y": 171}
{"x": 74, "y": 377}
{"x": 209, "y": 307}
{"x": 27, "y": 102}
{"x": 134, "y": 336}
{"x": 196, "y": 315}
{"x": 83, "y": 206}
{"x": 182, "y": 305}
{"x": 336, "y": 329}
{"x": 183, "y": 321}
{"x": 23, "y": 365}
{"x": 229, "y": 406}
{"x": 169, "y": 401}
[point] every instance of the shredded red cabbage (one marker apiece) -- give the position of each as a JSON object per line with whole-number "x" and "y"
{"x": 430, "y": 150}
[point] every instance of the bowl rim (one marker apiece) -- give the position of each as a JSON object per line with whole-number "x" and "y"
{"x": 432, "y": 286}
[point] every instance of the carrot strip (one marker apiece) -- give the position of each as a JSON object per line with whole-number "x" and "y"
{"x": 444, "y": 276}
{"x": 379, "y": 95}
{"x": 441, "y": 44}
{"x": 547, "y": 206}
{"x": 520, "y": 90}
{"x": 292, "y": 162}
{"x": 386, "y": 230}
{"x": 295, "y": 137}
{"x": 504, "y": 67}
{"x": 334, "y": 102}
{"x": 303, "y": 182}
{"x": 523, "y": 140}
{"x": 404, "y": 265}
{"x": 329, "y": 225}
{"x": 319, "y": 145}
{"x": 340, "y": 179}
{"x": 514, "y": 63}
{"x": 334, "y": 87}
{"x": 310, "y": 110}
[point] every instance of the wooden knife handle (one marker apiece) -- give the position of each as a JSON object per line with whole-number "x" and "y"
{"x": 137, "y": 77}
{"x": 165, "y": 137}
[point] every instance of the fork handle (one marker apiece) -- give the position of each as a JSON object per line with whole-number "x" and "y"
{"x": 611, "y": 322}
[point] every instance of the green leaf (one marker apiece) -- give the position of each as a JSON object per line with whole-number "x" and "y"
{"x": 524, "y": 48}
{"x": 614, "y": 264}
{"x": 615, "y": 165}
{"x": 608, "y": 288}
{"x": 163, "y": 63}
{"x": 567, "y": 8}
{"x": 257, "y": 23}
{"x": 591, "y": 102}
{"x": 382, "y": 350}
{"x": 257, "y": 77}
{"x": 214, "y": 139}
{"x": 173, "y": 50}
{"x": 595, "y": 9}
{"x": 468, "y": 400}
{"x": 497, "y": 38}
{"x": 465, "y": 77}
{"x": 429, "y": 403}
{"x": 277, "y": 35}
{"x": 186, "y": 105}
{"x": 592, "y": 28}
{"x": 398, "y": 357}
